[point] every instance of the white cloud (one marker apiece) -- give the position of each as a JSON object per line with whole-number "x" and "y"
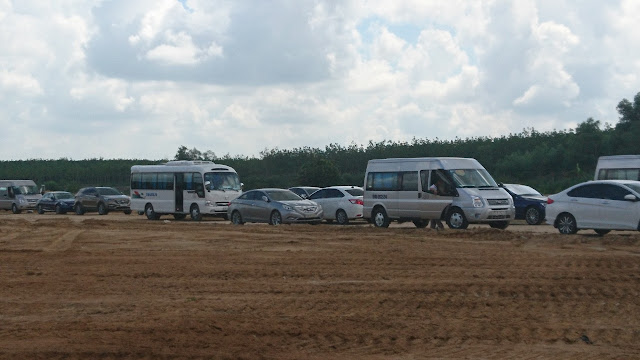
{"x": 241, "y": 76}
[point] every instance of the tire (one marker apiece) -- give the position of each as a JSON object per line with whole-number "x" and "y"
{"x": 601, "y": 232}
{"x": 499, "y": 225}
{"x": 341, "y": 217}
{"x": 102, "y": 209}
{"x": 127, "y": 212}
{"x": 566, "y": 224}
{"x": 532, "y": 216}
{"x": 195, "y": 213}
{"x": 421, "y": 224}
{"x": 59, "y": 210}
{"x": 275, "y": 218}
{"x": 151, "y": 214}
{"x": 380, "y": 218}
{"x": 14, "y": 209}
{"x": 78, "y": 209}
{"x": 179, "y": 216}
{"x": 40, "y": 209}
{"x": 456, "y": 219}
{"x": 236, "y": 218}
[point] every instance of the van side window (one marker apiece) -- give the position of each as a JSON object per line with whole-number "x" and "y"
{"x": 442, "y": 183}
{"x": 409, "y": 181}
{"x": 383, "y": 181}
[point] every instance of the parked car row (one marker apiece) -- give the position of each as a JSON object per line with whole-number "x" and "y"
{"x": 99, "y": 199}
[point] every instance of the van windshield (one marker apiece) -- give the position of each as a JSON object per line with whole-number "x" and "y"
{"x": 25, "y": 190}
{"x": 223, "y": 181}
{"x": 472, "y": 178}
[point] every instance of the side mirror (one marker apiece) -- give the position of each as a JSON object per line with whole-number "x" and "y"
{"x": 630, "y": 197}
{"x": 265, "y": 198}
{"x": 207, "y": 185}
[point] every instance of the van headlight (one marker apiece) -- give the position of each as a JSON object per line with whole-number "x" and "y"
{"x": 477, "y": 201}
{"x": 208, "y": 203}
{"x": 22, "y": 201}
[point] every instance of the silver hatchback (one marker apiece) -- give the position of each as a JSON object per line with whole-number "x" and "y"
{"x": 273, "y": 206}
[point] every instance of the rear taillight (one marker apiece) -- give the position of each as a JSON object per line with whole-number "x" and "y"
{"x": 549, "y": 201}
{"x": 356, "y": 201}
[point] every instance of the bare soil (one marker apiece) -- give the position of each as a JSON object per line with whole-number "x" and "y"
{"x": 119, "y": 286}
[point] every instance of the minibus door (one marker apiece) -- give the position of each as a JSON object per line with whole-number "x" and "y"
{"x": 179, "y": 196}
{"x": 410, "y": 200}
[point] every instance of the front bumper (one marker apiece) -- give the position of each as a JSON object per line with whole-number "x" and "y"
{"x": 487, "y": 214}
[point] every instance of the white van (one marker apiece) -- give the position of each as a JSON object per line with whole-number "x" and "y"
{"x": 18, "y": 195}
{"x": 618, "y": 167}
{"x": 399, "y": 189}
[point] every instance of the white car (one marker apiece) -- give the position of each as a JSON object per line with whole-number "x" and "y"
{"x": 603, "y": 205}
{"x": 340, "y": 203}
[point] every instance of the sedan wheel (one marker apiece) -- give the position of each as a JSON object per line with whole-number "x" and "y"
{"x": 102, "y": 209}
{"x": 40, "y": 210}
{"x": 59, "y": 209}
{"x": 275, "y": 218}
{"x": 532, "y": 215}
{"x": 567, "y": 224}
{"x": 78, "y": 209}
{"x": 236, "y": 218}
{"x": 341, "y": 217}
{"x": 602, "y": 232}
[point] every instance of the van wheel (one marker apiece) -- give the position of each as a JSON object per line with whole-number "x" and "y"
{"x": 14, "y": 209}
{"x": 40, "y": 210}
{"x": 499, "y": 224}
{"x": 341, "y": 217}
{"x": 151, "y": 214}
{"x": 78, "y": 209}
{"x": 566, "y": 224}
{"x": 195, "y": 213}
{"x": 380, "y": 218}
{"x": 102, "y": 209}
{"x": 456, "y": 219}
{"x": 421, "y": 224}
{"x": 532, "y": 215}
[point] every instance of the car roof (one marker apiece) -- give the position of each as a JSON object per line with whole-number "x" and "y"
{"x": 343, "y": 187}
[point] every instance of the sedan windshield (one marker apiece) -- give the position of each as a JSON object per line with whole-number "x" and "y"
{"x": 282, "y": 195}
{"x": 25, "y": 190}
{"x": 522, "y": 190}
{"x": 471, "y": 178}
{"x": 64, "y": 195}
{"x": 108, "y": 191}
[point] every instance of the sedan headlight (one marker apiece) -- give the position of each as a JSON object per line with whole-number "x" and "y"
{"x": 477, "y": 201}
{"x": 287, "y": 207}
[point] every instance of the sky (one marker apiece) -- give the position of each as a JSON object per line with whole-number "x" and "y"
{"x": 137, "y": 79}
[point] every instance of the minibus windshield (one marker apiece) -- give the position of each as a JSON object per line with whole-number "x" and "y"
{"x": 472, "y": 178}
{"x": 223, "y": 181}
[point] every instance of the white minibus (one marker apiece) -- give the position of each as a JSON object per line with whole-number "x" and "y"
{"x": 618, "y": 167}
{"x": 18, "y": 195}
{"x": 197, "y": 188}
{"x": 457, "y": 190}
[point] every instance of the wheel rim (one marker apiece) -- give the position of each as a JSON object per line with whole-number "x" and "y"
{"x": 566, "y": 225}
{"x": 379, "y": 219}
{"x": 236, "y": 218}
{"x": 456, "y": 220}
{"x": 195, "y": 213}
{"x": 342, "y": 217}
{"x": 149, "y": 212}
{"x": 275, "y": 218}
{"x": 14, "y": 209}
{"x": 533, "y": 216}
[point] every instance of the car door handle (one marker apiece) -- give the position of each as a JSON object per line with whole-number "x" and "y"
{"x": 574, "y": 200}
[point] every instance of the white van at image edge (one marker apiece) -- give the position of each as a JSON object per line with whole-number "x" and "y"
{"x": 618, "y": 167}
{"x": 398, "y": 189}
{"x": 18, "y": 195}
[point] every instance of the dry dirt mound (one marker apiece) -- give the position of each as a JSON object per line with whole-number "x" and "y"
{"x": 113, "y": 287}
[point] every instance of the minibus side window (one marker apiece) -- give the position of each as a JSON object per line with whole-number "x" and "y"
{"x": 383, "y": 181}
{"x": 409, "y": 181}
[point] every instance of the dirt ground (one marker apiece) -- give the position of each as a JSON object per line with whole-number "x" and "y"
{"x": 121, "y": 286}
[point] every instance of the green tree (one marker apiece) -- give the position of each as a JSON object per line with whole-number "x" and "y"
{"x": 319, "y": 172}
{"x": 629, "y": 113}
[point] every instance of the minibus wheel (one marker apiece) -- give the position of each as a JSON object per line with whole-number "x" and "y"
{"x": 380, "y": 218}
{"x": 195, "y": 213}
{"x": 456, "y": 219}
{"x": 151, "y": 214}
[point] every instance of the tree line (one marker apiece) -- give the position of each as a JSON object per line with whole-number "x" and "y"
{"x": 549, "y": 161}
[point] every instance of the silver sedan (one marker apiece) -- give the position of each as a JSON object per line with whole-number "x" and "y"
{"x": 273, "y": 206}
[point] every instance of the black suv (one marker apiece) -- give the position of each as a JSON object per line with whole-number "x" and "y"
{"x": 102, "y": 200}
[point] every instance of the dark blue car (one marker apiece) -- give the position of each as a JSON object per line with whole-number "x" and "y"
{"x": 58, "y": 201}
{"x": 529, "y": 203}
